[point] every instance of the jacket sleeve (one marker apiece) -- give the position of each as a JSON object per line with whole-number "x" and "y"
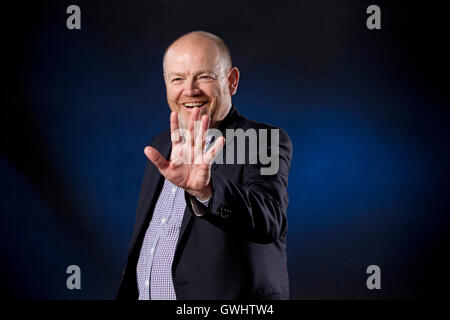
{"x": 256, "y": 208}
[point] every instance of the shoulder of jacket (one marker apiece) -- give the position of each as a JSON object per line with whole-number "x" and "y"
{"x": 161, "y": 138}
{"x": 245, "y": 124}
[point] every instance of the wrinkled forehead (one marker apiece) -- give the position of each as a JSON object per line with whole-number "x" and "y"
{"x": 190, "y": 57}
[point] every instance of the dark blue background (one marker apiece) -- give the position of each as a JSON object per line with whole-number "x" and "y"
{"x": 367, "y": 112}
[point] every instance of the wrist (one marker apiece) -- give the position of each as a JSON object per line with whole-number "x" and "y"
{"x": 202, "y": 195}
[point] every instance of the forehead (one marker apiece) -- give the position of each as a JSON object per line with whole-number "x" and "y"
{"x": 191, "y": 56}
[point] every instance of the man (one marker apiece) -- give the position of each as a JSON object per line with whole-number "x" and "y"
{"x": 205, "y": 229}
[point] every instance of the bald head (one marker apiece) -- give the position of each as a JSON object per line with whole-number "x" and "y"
{"x": 198, "y": 74}
{"x": 205, "y": 40}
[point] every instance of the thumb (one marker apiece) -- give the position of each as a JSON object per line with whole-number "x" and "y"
{"x": 156, "y": 158}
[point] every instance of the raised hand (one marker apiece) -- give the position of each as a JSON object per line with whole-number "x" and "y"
{"x": 188, "y": 167}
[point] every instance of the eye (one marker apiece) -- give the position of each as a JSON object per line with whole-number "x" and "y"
{"x": 205, "y": 78}
{"x": 175, "y": 79}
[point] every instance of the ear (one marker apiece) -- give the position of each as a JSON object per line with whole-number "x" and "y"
{"x": 233, "y": 80}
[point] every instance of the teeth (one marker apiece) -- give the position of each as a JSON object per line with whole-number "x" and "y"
{"x": 194, "y": 104}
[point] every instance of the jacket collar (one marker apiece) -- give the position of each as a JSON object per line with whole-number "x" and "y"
{"x": 229, "y": 120}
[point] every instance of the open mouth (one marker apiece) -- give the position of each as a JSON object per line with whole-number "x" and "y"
{"x": 197, "y": 104}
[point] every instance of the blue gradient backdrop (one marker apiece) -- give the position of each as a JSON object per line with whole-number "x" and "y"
{"x": 367, "y": 112}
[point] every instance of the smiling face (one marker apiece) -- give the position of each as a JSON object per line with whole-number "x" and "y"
{"x": 197, "y": 75}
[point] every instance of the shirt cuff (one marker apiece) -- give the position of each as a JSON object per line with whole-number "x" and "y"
{"x": 200, "y": 207}
{"x": 204, "y": 202}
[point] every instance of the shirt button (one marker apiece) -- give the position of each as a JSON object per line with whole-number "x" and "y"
{"x": 174, "y": 189}
{"x": 163, "y": 220}
{"x": 147, "y": 283}
{"x": 152, "y": 250}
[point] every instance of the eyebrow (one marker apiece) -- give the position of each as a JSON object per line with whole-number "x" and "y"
{"x": 178, "y": 74}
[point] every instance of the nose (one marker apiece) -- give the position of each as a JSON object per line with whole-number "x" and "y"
{"x": 191, "y": 88}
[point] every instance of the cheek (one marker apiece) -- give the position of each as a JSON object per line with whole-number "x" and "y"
{"x": 213, "y": 92}
{"x": 225, "y": 89}
{"x": 173, "y": 94}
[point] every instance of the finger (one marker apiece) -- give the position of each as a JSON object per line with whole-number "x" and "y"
{"x": 196, "y": 121}
{"x": 191, "y": 124}
{"x": 179, "y": 160}
{"x": 157, "y": 159}
{"x": 175, "y": 134}
{"x": 217, "y": 146}
{"x": 176, "y": 137}
{"x": 205, "y": 122}
{"x": 174, "y": 121}
{"x": 200, "y": 133}
{"x": 204, "y": 129}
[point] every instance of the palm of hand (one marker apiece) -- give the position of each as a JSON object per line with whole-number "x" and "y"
{"x": 188, "y": 167}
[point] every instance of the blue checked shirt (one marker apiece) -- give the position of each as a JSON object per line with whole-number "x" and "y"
{"x": 154, "y": 267}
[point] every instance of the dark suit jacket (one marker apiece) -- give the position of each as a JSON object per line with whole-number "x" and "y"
{"x": 237, "y": 250}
